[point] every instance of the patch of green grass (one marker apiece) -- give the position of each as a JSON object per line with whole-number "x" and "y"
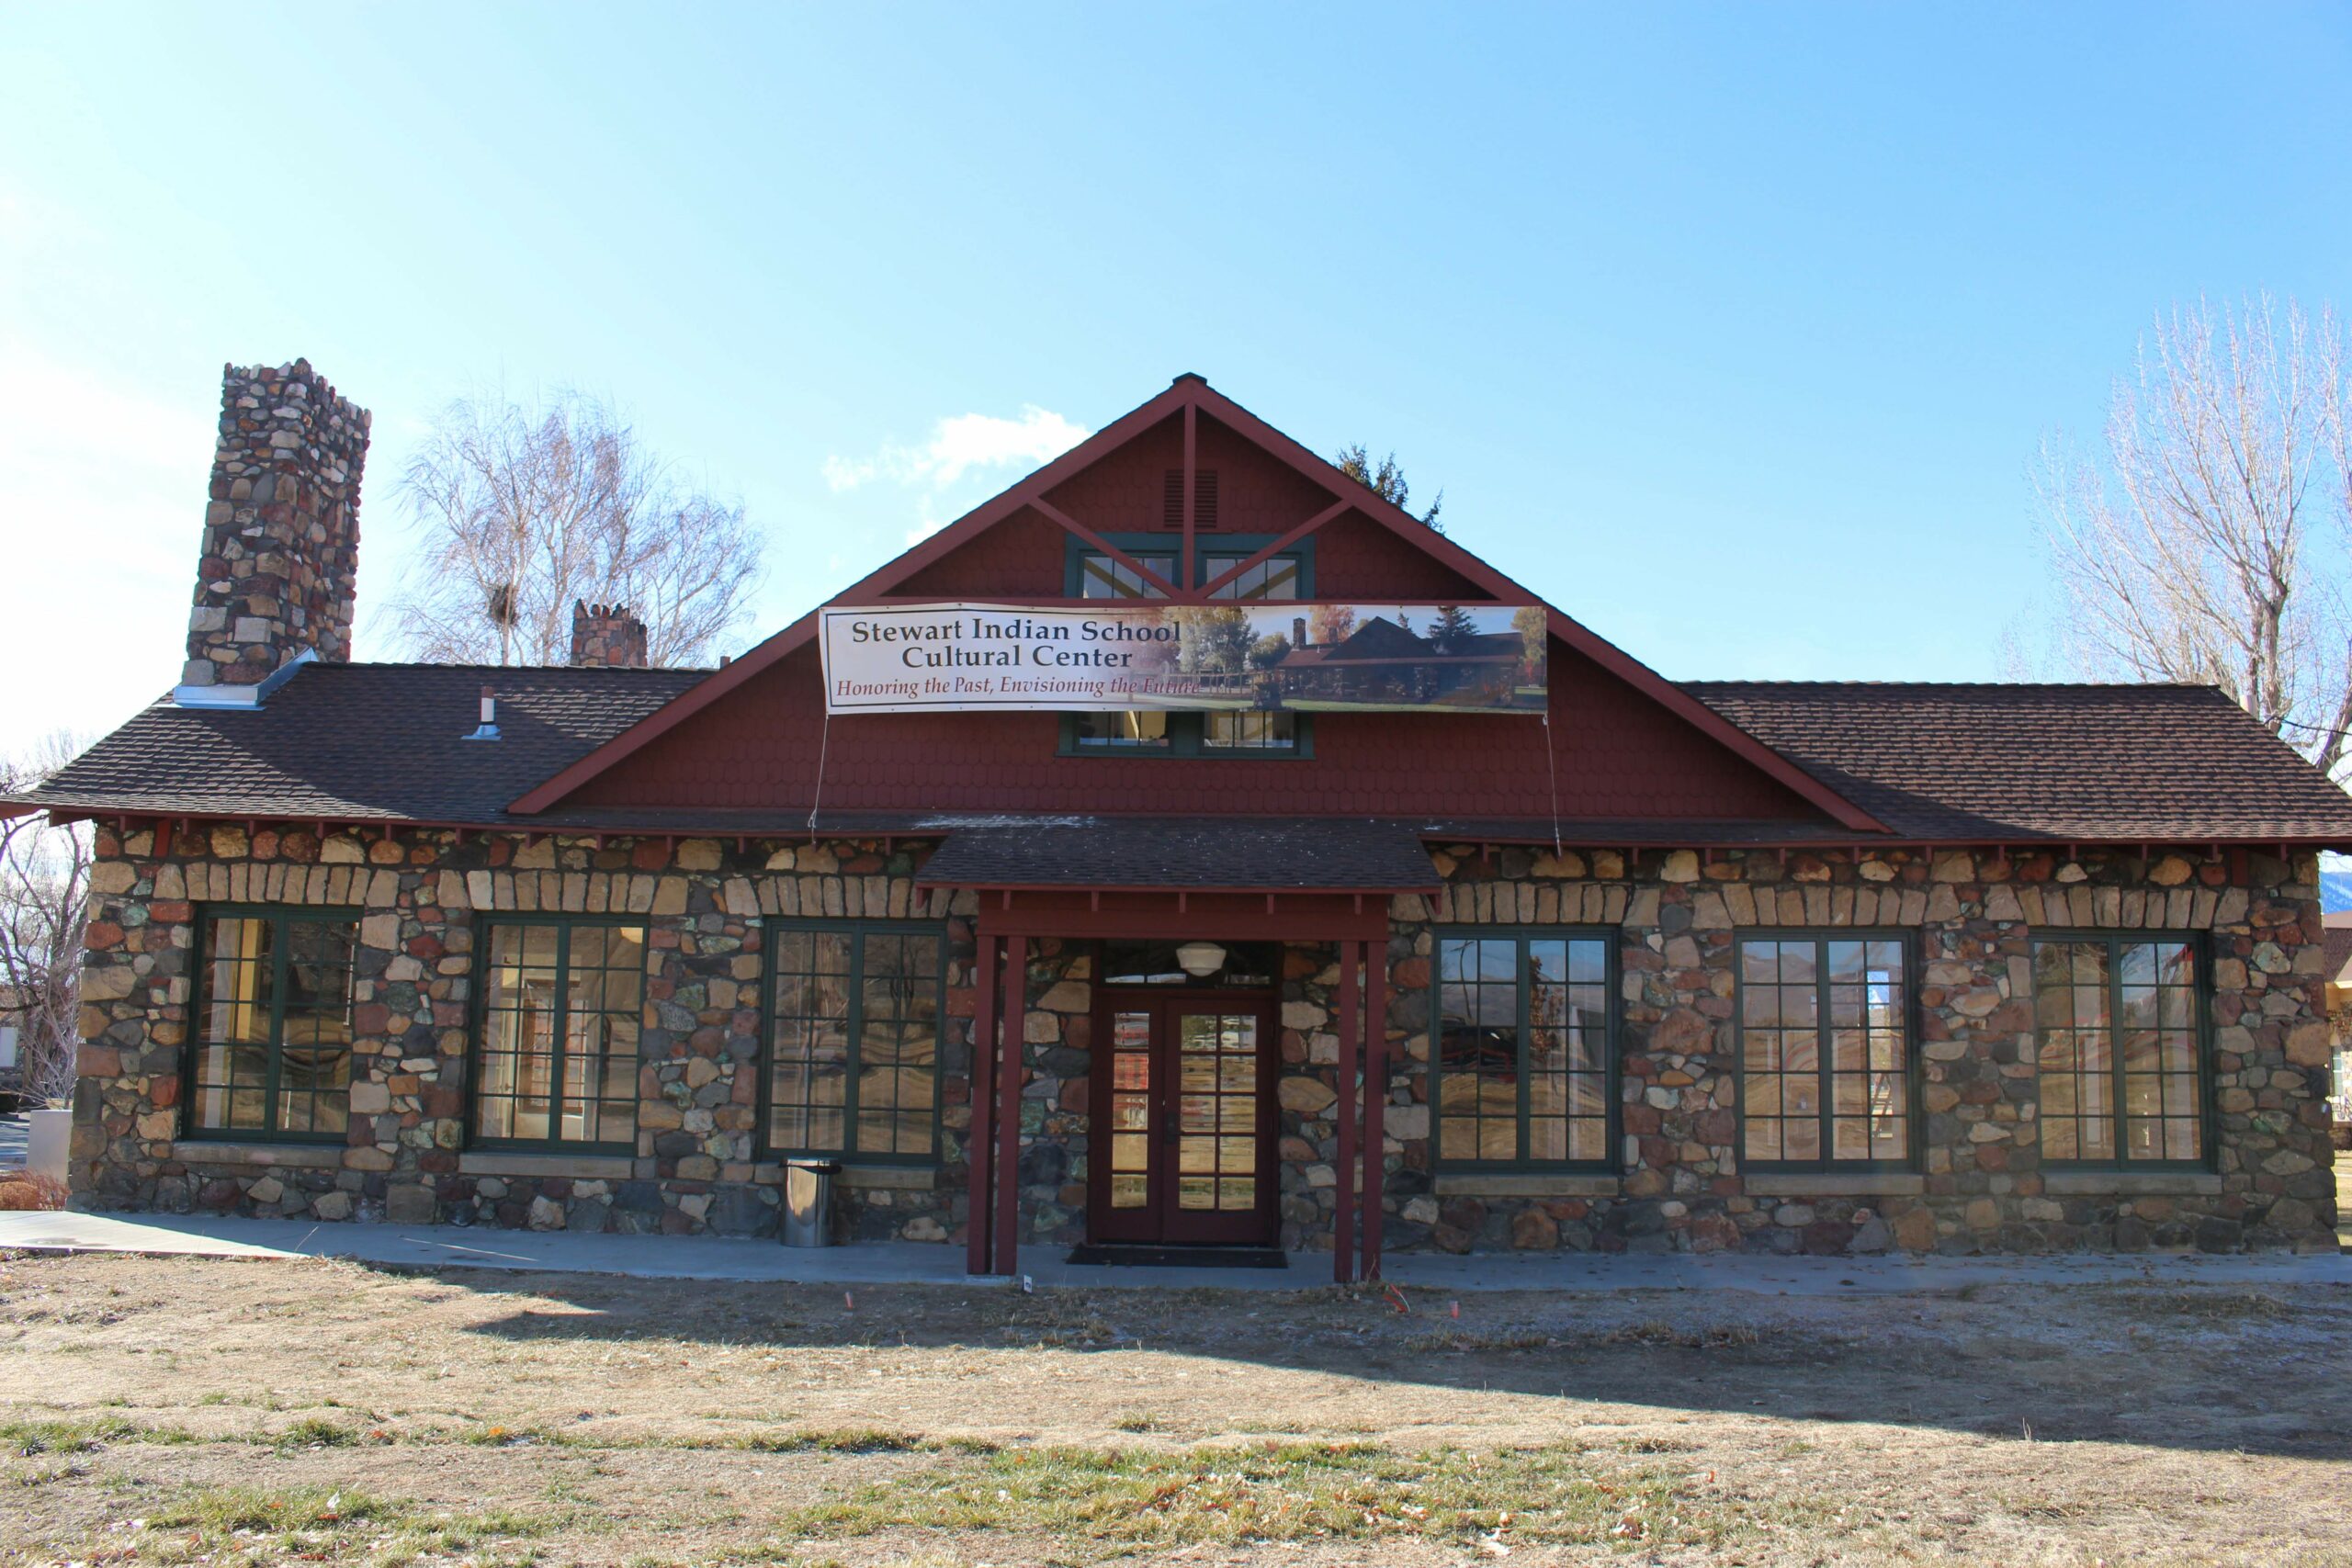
{"x": 1140, "y": 1421}
{"x": 317, "y": 1432}
{"x": 240, "y": 1525}
{"x": 1296, "y": 1492}
{"x": 74, "y": 1437}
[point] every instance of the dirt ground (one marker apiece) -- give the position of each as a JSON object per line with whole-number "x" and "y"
{"x": 178, "y": 1411}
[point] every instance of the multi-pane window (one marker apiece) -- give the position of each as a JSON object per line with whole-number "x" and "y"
{"x": 2118, "y": 1020}
{"x": 272, "y": 1054}
{"x": 1104, "y": 576}
{"x": 854, "y": 1058}
{"x": 1274, "y": 579}
{"x": 555, "y": 1059}
{"x": 1522, "y": 1051}
{"x": 1825, "y": 1049}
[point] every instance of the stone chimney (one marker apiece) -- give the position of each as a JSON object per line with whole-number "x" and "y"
{"x": 1299, "y": 631}
{"x": 281, "y": 535}
{"x": 606, "y": 636}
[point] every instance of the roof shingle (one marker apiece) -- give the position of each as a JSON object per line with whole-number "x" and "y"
{"x": 365, "y": 741}
{"x": 2057, "y": 761}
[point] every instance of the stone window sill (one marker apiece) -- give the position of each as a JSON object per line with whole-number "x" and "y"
{"x": 299, "y": 1156}
{"x": 1535, "y": 1184}
{"x": 2130, "y": 1183}
{"x": 894, "y": 1178}
{"x": 579, "y": 1168}
{"x": 1836, "y": 1184}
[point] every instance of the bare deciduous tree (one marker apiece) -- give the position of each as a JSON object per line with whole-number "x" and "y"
{"x": 526, "y": 510}
{"x": 2214, "y": 544}
{"x": 44, "y": 910}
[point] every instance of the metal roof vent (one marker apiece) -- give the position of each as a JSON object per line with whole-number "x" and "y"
{"x": 488, "y": 729}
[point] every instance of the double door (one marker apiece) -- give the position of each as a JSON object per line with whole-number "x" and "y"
{"x": 1184, "y": 1118}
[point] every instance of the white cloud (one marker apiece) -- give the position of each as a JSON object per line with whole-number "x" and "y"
{"x": 958, "y": 445}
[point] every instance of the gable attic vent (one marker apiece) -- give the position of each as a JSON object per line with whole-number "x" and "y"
{"x": 1171, "y": 509}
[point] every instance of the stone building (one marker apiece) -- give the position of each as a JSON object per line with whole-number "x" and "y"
{"x": 1624, "y": 964}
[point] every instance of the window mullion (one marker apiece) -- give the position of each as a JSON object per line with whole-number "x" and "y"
{"x": 2115, "y": 1049}
{"x": 557, "y": 1046}
{"x": 853, "y": 1045}
{"x": 281, "y": 930}
{"x": 1526, "y": 1143}
{"x": 1825, "y": 1082}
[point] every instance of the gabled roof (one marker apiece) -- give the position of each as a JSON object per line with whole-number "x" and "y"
{"x": 362, "y": 742}
{"x": 2074, "y": 762}
{"x": 1194, "y": 392}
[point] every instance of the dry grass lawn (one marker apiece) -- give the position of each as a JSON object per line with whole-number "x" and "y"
{"x": 163, "y": 1410}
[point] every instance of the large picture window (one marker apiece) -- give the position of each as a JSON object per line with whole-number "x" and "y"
{"x": 853, "y": 1051}
{"x": 1825, "y": 1051}
{"x": 1523, "y": 1063}
{"x": 272, "y": 1055}
{"x": 2117, "y": 1021}
{"x": 556, "y": 1054}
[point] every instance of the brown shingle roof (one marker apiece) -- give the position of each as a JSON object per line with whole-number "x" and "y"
{"x": 364, "y": 741}
{"x": 2059, "y": 761}
{"x": 1950, "y": 763}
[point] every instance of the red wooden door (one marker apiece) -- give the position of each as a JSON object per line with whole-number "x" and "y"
{"x": 1184, "y": 1150}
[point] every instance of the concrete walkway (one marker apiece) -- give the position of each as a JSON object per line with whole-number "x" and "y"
{"x": 915, "y": 1263}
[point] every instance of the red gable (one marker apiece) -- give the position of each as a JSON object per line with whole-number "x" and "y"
{"x": 1196, "y": 468}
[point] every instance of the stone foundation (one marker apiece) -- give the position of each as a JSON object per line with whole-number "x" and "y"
{"x": 698, "y": 1165}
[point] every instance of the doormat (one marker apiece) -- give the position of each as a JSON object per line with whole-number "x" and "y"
{"x": 1117, "y": 1255}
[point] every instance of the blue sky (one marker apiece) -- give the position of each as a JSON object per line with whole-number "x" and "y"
{"x": 1732, "y": 331}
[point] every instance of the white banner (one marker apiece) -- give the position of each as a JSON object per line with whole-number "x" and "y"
{"x": 1266, "y": 655}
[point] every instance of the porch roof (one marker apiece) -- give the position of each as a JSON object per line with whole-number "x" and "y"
{"x": 1252, "y": 854}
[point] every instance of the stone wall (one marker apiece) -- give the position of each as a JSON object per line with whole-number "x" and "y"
{"x": 281, "y": 532}
{"x": 1980, "y": 1185}
{"x": 698, "y": 1164}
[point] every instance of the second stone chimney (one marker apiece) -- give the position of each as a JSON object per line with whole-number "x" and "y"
{"x": 606, "y": 636}
{"x": 280, "y": 562}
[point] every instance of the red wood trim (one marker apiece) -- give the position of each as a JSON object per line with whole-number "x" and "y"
{"x": 978, "y": 1203}
{"x": 1343, "y": 1200}
{"x": 1072, "y": 526}
{"x": 1192, "y": 464}
{"x": 1336, "y": 510}
{"x": 1008, "y": 1108}
{"x": 1375, "y": 1098}
{"x": 1190, "y": 395}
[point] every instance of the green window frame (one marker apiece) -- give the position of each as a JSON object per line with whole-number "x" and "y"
{"x": 1829, "y": 1032}
{"x": 2121, "y": 1049}
{"x": 1545, "y": 1097}
{"x": 1088, "y": 573}
{"x": 245, "y": 1080}
{"x": 558, "y": 1038}
{"x": 856, "y": 1013}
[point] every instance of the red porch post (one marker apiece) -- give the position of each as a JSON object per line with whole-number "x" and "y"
{"x": 1375, "y": 1096}
{"x": 977, "y": 1202}
{"x": 1343, "y": 1219}
{"x": 1008, "y": 1106}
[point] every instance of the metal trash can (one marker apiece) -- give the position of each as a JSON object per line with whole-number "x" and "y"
{"x": 808, "y": 1202}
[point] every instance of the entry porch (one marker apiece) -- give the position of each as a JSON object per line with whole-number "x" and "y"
{"x": 1179, "y": 1068}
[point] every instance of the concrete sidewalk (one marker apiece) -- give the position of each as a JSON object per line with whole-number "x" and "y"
{"x": 916, "y": 1263}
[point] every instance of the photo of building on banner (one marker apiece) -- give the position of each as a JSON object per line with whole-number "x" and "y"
{"x": 1273, "y": 657}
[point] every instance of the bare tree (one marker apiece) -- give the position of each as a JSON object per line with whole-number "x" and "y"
{"x": 44, "y": 910}
{"x": 2214, "y": 544}
{"x": 526, "y": 510}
